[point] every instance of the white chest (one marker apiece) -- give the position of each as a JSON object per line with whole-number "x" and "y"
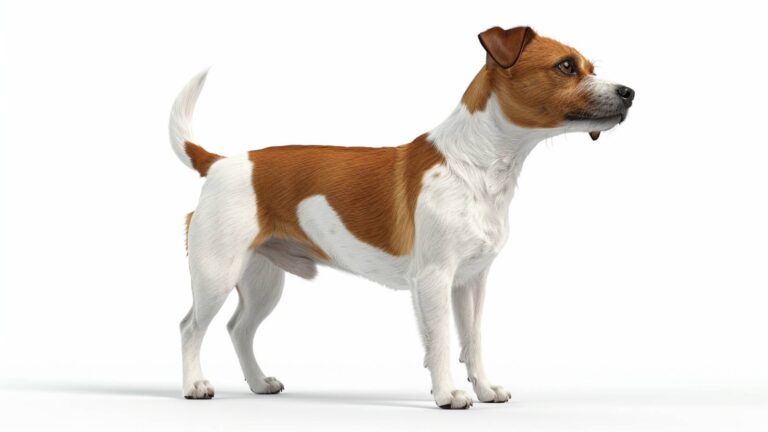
{"x": 460, "y": 224}
{"x": 456, "y": 226}
{"x": 484, "y": 233}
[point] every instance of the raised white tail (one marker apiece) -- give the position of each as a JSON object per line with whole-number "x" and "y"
{"x": 180, "y": 127}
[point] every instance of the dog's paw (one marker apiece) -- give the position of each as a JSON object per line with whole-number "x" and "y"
{"x": 455, "y": 399}
{"x": 268, "y": 385}
{"x": 201, "y": 389}
{"x": 492, "y": 394}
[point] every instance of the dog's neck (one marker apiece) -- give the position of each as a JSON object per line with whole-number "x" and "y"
{"x": 485, "y": 148}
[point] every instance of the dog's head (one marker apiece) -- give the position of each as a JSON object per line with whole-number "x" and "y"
{"x": 542, "y": 83}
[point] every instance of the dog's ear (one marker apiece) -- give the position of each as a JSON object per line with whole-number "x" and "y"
{"x": 505, "y": 46}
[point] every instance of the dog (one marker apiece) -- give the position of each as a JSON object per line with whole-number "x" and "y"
{"x": 429, "y": 216}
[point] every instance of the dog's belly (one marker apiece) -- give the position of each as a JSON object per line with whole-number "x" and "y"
{"x": 325, "y": 228}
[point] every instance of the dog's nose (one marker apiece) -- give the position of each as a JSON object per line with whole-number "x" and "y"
{"x": 626, "y": 94}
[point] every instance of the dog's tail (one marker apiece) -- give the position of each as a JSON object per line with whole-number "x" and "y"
{"x": 190, "y": 153}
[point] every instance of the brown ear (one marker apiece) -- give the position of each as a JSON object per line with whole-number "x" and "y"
{"x": 505, "y": 46}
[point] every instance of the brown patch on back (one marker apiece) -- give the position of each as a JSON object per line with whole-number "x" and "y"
{"x": 201, "y": 158}
{"x": 532, "y": 93}
{"x": 373, "y": 190}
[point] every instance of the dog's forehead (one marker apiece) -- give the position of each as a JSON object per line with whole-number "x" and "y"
{"x": 547, "y": 50}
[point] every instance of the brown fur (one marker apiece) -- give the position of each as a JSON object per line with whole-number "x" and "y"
{"x": 533, "y": 93}
{"x": 478, "y": 92}
{"x": 187, "y": 221}
{"x": 201, "y": 158}
{"x": 373, "y": 190}
{"x": 505, "y": 46}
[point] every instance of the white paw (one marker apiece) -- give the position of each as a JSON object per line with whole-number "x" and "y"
{"x": 492, "y": 393}
{"x": 201, "y": 389}
{"x": 268, "y": 385}
{"x": 455, "y": 399}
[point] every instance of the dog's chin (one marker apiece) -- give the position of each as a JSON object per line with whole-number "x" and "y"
{"x": 593, "y": 124}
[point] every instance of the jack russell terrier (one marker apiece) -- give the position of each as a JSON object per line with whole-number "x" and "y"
{"x": 429, "y": 216}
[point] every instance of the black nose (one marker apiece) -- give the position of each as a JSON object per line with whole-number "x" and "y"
{"x": 626, "y": 94}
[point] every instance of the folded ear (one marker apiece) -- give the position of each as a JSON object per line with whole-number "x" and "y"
{"x": 505, "y": 46}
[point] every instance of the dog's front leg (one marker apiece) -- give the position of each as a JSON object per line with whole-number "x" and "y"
{"x": 467, "y": 311}
{"x": 431, "y": 290}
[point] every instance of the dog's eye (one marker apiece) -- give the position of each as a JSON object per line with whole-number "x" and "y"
{"x": 567, "y": 67}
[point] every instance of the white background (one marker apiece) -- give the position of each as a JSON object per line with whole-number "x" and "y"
{"x": 631, "y": 294}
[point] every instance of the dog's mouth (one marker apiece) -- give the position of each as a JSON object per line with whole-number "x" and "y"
{"x": 613, "y": 119}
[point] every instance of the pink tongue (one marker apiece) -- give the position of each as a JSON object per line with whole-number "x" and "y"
{"x": 594, "y": 135}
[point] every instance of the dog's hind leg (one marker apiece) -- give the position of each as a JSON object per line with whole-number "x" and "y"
{"x": 210, "y": 288}
{"x": 221, "y": 232}
{"x": 260, "y": 289}
{"x": 211, "y": 285}
{"x": 193, "y": 328}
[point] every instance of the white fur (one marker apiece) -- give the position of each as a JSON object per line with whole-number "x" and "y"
{"x": 220, "y": 235}
{"x": 324, "y": 227}
{"x": 605, "y": 101}
{"x": 461, "y": 220}
{"x": 260, "y": 288}
{"x": 180, "y": 123}
{"x": 462, "y": 225}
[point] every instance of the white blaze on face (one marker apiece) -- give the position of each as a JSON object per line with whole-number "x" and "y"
{"x": 605, "y": 110}
{"x": 603, "y": 93}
